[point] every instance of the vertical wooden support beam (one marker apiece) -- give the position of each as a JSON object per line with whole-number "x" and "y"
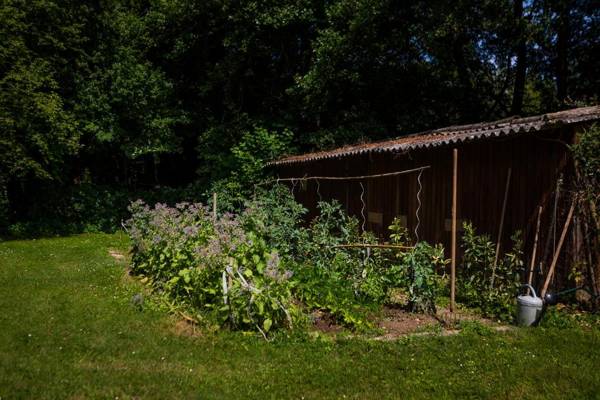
{"x": 501, "y": 228}
{"x": 559, "y": 247}
{"x": 214, "y": 206}
{"x": 453, "y": 250}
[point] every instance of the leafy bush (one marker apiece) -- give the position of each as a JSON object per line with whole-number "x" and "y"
{"x": 420, "y": 277}
{"x": 474, "y": 281}
{"x": 245, "y": 165}
{"x": 276, "y": 216}
{"x": 214, "y": 266}
{"x": 4, "y": 206}
{"x": 587, "y": 155}
{"x": 88, "y": 207}
{"x": 566, "y": 317}
{"x": 415, "y": 270}
{"x": 73, "y": 209}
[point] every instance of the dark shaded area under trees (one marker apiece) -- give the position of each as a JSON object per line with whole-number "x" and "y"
{"x": 103, "y": 100}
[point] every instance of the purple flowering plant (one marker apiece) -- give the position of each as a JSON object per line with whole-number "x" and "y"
{"x": 219, "y": 267}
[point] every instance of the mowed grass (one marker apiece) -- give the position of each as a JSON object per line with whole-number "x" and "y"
{"x": 68, "y": 330}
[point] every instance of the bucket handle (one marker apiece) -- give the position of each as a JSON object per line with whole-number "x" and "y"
{"x": 527, "y": 285}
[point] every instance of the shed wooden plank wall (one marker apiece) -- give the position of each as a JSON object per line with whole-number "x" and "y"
{"x": 536, "y": 161}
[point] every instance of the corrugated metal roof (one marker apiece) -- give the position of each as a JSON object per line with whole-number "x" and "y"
{"x": 455, "y": 134}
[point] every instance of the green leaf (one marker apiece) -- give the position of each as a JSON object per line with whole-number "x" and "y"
{"x": 267, "y": 324}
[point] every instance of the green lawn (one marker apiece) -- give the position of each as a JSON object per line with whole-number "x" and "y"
{"x": 67, "y": 330}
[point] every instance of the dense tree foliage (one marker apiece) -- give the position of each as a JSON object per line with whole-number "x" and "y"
{"x": 169, "y": 92}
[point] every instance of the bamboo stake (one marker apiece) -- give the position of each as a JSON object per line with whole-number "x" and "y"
{"x": 377, "y": 246}
{"x": 559, "y": 247}
{"x": 454, "y": 195}
{"x": 214, "y": 206}
{"x": 501, "y": 226}
{"x": 535, "y": 242}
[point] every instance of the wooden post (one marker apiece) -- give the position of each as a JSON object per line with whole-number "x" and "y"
{"x": 453, "y": 250}
{"x": 558, "y": 247}
{"x": 500, "y": 229}
{"x": 214, "y": 206}
{"x": 535, "y": 242}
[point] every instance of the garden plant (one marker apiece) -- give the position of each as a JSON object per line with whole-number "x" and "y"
{"x": 262, "y": 269}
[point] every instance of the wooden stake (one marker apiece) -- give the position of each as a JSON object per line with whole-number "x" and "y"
{"x": 214, "y": 206}
{"x": 535, "y": 242}
{"x": 501, "y": 226}
{"x": 558, "y": 247}
{"x": 453, "y": 250}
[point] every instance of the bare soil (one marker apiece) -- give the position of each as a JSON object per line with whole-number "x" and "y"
{"x": 324, "y": 322}
{"x": 398, "y": 322}
{"x": 395, "y": 322}
{"x": 184, "y": 327}
{"x": 117, "y": 255}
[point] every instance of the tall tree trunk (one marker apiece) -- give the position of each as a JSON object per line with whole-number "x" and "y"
{"x": 562, "y": 49}
{"x": 521, "y": 67}
{"x": 462, "y": 69}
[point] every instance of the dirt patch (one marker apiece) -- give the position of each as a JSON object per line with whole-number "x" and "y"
{"x": 117, "y": 255}
{"x": 398, "y": 322}
{"x": 452, "y": 319}
{"x": 183, "y": 327}
{"x": 325, "y": 322}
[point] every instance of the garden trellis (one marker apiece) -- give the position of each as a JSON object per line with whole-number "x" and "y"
{"x": 295, "y": 180}
{"x": 368, "y": 246}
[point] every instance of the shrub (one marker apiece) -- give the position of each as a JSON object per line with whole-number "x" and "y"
{"x": 420, "y": 276}
{"x": 474, "y": 281}
{"x": 342, "y": 281}
{"x": 415, "y": 270}
{"x": 587, "y": 155}
{"x": 215, "y": 266}
{"x": 87, "y": 207}
{"x": 277, "y": 217}
{"x": 4, "y": 209}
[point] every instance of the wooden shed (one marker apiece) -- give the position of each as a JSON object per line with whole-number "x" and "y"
{"x": 533, "y": 150}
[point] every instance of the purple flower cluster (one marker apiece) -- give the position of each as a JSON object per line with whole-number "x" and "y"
{"x": 168, "y": 230}
{"x": 274, "y": 271}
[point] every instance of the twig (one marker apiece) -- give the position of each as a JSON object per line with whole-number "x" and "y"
{"x": 188, "y": 318}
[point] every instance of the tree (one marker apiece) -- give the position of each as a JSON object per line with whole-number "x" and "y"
{"x": 41, "y": 47}
{"x": 126, "y": 102}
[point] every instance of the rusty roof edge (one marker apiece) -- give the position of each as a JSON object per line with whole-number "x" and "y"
{"x": 454, "y": 134}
